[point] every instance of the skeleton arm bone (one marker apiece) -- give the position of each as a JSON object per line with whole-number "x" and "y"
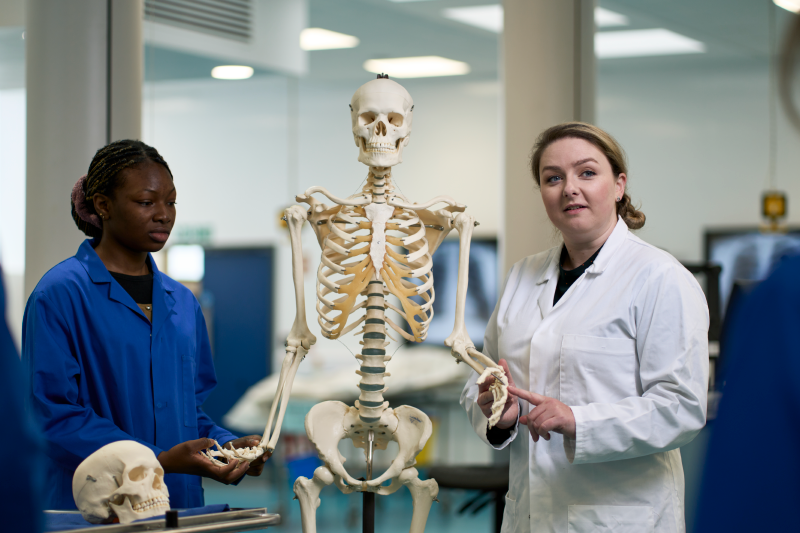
{"x": 461, "y": 346}
{"x": 300, "y": 337}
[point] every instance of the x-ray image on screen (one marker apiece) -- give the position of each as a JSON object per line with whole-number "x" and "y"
{"x": 748, "y": 255}
{"x": 481, "y": 292}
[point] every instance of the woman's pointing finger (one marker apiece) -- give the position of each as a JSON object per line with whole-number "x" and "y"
{"x": 530, "y": 397}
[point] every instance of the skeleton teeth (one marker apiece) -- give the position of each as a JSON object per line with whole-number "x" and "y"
{"x": 149, "y": 504}
{"x": 381, "y": 148}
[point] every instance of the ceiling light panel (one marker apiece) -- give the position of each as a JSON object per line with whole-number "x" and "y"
{"x": 321, "y": 39}
{"x": 417, "y": 67}
{"x": 490, "y": 17}
{"x": 231, "y": 72}
{"x": 485, "y": 17}
{"x": 788, "y": 5}
{"x": 605, "y": 18}
{"x": 638, "y": 43}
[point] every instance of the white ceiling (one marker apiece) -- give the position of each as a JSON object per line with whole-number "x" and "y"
{"x": 736, "y": 33}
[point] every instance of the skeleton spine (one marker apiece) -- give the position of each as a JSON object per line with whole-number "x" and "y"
{"x": 373, "y": 358}
{"x": 379, "y": 186}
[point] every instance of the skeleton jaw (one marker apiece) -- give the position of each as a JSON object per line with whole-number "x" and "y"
{"x": 380, "y": 153}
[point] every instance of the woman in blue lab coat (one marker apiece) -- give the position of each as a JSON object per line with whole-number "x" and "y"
{"x": 115, "y": 349}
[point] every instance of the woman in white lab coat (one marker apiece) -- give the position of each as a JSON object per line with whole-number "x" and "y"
{"x": 605, "y": 342}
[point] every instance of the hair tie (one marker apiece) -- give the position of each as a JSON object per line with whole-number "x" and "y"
{"x": 81, "y": 205}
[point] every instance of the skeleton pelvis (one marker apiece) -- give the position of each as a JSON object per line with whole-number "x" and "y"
{"x": 329, "y": 422}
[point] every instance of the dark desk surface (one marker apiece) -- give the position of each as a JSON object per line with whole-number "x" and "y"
{"x": 490, "y": 477}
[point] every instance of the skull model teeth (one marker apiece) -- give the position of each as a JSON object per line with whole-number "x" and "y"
{"x": 381, "y": 147}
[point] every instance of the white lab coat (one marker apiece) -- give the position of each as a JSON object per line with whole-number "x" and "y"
{"x": 627, "y": 349}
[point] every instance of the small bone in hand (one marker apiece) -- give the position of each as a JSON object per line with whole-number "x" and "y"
{"x": 241, "y": 454}
{"x": 499, "y": 390}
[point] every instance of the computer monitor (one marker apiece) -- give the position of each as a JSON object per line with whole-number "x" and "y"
{"x": 747, "y": 254}
{"x": 481, "y": 291}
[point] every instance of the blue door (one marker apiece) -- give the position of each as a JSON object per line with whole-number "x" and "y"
{"x": 237, "y": 301}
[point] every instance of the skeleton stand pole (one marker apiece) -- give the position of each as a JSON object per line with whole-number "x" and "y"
{"x": 368, "y": 512}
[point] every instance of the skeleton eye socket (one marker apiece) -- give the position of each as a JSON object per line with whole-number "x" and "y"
{"x": 137, "y": 474}
{"x": 396, "y": 119}
{"x": 366, "y": 118}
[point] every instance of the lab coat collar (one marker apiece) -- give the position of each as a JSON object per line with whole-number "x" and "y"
{"x": 613, "y": 242}
{"x": 552, "y": 266}
{"x": 163, "y": 287}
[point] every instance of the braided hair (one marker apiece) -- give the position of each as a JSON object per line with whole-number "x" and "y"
{"x": 604, "y": 142}
{"x": 104, "y": 177}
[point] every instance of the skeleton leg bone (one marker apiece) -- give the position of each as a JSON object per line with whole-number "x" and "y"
{"x": 423, "y": 494}
{"x": 307, "y": 492}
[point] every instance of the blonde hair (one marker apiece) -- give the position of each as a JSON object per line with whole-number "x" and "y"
{"x": 633, "y": 218}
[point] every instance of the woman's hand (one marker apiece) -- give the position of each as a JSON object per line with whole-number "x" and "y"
{"x": 486, "y": 399}
{"x": 549, "y": 415}
{"x": 185, "y": 458}
{"x": 250, "y": 441}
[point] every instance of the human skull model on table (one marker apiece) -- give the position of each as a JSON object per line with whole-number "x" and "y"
{"x": 374, "y": 244}
{"x": 120, "y": 480}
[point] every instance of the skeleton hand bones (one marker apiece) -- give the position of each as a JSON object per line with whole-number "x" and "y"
{"x": 496, "y": 401}
{"x": 248, "y": 453}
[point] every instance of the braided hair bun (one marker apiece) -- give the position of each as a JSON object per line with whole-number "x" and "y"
{"x": 104, "y": 178}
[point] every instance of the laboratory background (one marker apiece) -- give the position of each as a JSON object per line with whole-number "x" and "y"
{"x": 248, "y": 102}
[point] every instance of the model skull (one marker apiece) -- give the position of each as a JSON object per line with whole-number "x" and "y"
{"x": 122, "y": 479}
{"x": 381, "y": 111}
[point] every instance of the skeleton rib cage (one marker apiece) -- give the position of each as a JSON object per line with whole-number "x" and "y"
{"x": 346, "y": 268}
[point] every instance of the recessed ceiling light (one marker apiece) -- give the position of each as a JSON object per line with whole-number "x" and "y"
{"x": 788, "y": 5}
{"x": 605, "y": 18}
{"x": 320, "y": 39}
{"x": 231, "y": 72}
{"x": 485, "y": 17}
{"x": 490, "y": 17}
{"x": 417, "y": 67}
{"x": 635, "y": 43}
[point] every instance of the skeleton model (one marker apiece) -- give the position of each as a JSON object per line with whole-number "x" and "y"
{"x": 374, "y": 244}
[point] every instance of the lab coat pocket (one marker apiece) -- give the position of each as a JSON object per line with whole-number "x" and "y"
{"x": 189, "y": 405}
{"x": 597, "y": 369}
{"x": 605, "y": 518}
{"x": 509, "y": 516}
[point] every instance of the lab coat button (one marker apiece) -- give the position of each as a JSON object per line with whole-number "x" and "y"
{"x": 159, "y": 405}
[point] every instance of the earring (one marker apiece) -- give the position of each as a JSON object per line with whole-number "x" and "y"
{"x": 618, "y": 199}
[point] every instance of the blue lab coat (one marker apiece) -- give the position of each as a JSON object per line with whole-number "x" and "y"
{"x": 751, "y": 480}
{"x": 101, "y": 372}
{"x": 19, "y": 502}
